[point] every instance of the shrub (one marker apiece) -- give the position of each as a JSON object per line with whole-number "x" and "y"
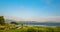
{"x": 31, "y": 30}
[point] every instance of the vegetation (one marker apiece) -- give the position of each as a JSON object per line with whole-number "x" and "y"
{"x": 33, "y": 29}
{"x": 14, "y": 23}
{"x": 2, "y": 21}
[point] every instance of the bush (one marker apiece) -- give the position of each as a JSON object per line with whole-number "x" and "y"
{"x": 31, "y": 30}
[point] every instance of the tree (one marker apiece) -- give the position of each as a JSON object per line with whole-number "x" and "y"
{"x": 22, "y": 24}
{"x": 14, "y": 23}
{"x": 2, "y": 21}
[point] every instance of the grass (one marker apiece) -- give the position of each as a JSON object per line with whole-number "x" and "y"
{"x": 34, "y": 29}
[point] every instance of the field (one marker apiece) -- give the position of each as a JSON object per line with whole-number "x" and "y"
{"x": 34, "y": 29}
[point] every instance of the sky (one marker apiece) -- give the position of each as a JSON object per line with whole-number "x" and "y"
{"x": 31, "y": 10}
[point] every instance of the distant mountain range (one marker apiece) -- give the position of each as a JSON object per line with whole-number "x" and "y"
{"x": 34, "y": 22}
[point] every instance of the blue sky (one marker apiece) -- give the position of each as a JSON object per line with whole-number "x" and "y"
{"x": 28, "y": 9}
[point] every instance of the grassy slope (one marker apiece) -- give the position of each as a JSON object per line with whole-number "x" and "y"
{"x": 34, "y": 29}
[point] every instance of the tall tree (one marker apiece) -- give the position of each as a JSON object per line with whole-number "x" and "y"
{"x": 2, "y": 21}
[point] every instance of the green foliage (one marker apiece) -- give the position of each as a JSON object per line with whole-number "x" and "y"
{"x": 34, "y": 29}
{"x": 22, "y": 24}
{"x": 13, "y": 22}
{"x": 2, "y": 21}
{"x": 31, "y": 30}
